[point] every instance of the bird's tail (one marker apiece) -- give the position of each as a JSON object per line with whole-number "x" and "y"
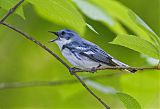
{"x": 131, "y": 70}
{"x": 124, "y": 65}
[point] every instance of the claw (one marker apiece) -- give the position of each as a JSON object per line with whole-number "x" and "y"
{"x": 93, "y": 69}
{"x": 72, "y": 71}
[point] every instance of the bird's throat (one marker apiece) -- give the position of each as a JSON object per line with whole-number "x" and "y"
{"x": 62, "y": 42}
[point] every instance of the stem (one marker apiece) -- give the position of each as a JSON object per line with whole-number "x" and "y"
{"x": 36, "y": 42}
{"x": 11, "y": 10}
{"x": 91, "y": 92}
{"x": 13, "y": 85}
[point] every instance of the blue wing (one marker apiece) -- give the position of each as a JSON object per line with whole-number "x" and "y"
{"x": 91, "y": 51}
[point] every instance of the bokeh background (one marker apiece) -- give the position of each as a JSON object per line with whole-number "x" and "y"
{"x": 23, "y": 61}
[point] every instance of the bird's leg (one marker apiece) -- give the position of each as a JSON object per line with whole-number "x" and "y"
{"x": 73, "y": 70}
{"x": 93, "y": 69}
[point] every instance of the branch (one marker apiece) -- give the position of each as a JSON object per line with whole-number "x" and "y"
{"x": 34, "y": 84}
{"x": 11, "y": 11}
{"x": 91, "y": 92}
{"x": 52, "y": 83}
{"x": 36, "y": 42}
{"x": 118, "y": 68}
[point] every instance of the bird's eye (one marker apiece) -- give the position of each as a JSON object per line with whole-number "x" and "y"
{"x": 67, "y": 38}
{"x": 63, "y": 33}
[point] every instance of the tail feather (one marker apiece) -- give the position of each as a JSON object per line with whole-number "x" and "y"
{"x": 124, "y": 65}
{"x": 131, "y": 70}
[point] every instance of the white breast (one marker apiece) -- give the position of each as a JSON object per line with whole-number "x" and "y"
{"x": 83, "y": 62}
{"x": 62, "y": 42}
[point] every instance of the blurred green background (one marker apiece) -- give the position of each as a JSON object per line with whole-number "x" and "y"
{"x": 23, "y": 61}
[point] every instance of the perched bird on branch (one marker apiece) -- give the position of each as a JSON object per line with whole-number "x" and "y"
{"x": 82, "y": 53}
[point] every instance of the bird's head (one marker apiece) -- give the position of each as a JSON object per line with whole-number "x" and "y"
{"x": 65, "y": 36}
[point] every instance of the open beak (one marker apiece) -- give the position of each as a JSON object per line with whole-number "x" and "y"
{"x": 55, "y": 33}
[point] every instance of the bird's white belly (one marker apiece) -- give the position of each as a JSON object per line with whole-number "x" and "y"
{"x": 83, "y": 62}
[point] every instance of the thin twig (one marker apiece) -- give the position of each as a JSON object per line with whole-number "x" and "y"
{"x": 37, "y": 42}
{"x": 117, "y": 68}
{"x": 13, "y": 85}
{"x": 34, "y": 84}
{"x": 129, "y": 68}
{"x": 91, "y": 92}
{"x": 11, "y": 10}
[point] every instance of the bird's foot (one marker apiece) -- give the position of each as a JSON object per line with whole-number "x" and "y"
{"x": 73, "y": 70}
{"x": 93, "y": 70}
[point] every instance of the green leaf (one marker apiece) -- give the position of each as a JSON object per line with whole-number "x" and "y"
{"x": 144, "y": 26}
{"x": 96, "y": 13}
{"x": 100, "y": 87}
{"x": 90, "y": 27}
{"x": 144, "y": 86}
{"x": 137, "y": 44}
{"x": 120, "y": 12}
{"x": 61, "y": 12}
{"x": 128, "y": 101}
{"x": 7, "y": 4}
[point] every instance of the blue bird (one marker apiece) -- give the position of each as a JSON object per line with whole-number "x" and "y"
{"x": 82, "y": 53}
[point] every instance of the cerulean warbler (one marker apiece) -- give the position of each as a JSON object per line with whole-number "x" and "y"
{"x": 82, "y": 53}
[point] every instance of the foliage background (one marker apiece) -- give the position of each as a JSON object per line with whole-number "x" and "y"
{"x": 22, "y": 61}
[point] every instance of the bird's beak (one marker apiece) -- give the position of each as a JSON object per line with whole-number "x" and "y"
{"x": 56, "y": 33}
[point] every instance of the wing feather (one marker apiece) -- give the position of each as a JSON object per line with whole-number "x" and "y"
{"x": 95, "y": 53}
{"x": 92, "y": 51}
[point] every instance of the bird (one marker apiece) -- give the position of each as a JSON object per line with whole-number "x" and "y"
{"x": 82, "y": 53}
